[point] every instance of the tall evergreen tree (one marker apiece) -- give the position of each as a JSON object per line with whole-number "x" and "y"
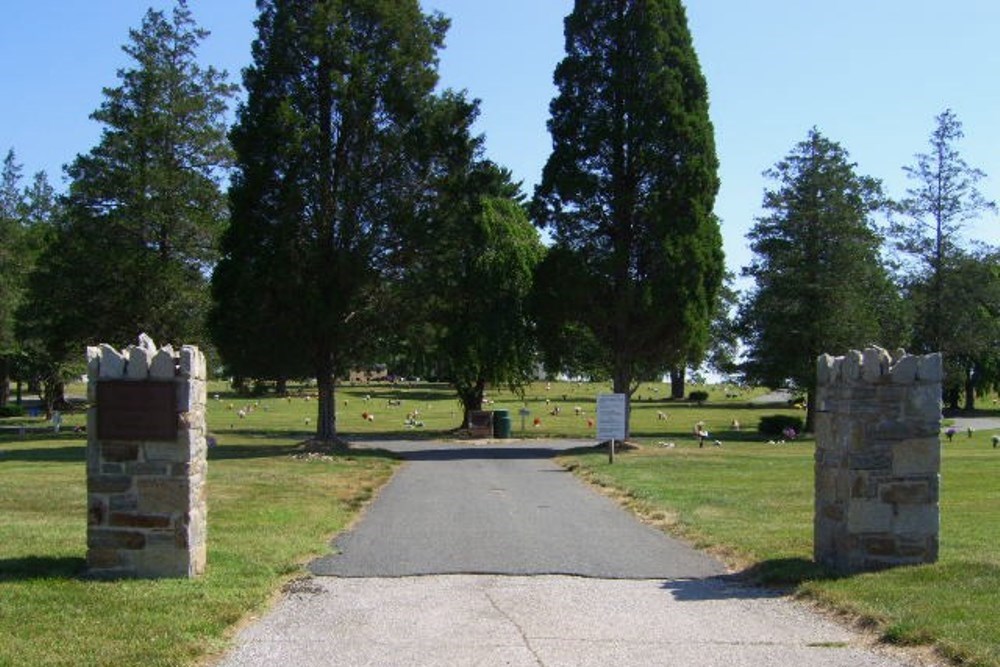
{"x": 945, "y": 196}
{"x": 820, "y": 283}
{"x": 629, "y": 188}
{"x": 11, "y": 268}
{"x": 144, "y": 207}
{"x": 328, "y": 150}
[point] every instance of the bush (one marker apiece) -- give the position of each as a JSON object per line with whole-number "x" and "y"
{"x": 11, "y": 411}
{"x": 775, "y": 425}
{"x": 698, "y": 396}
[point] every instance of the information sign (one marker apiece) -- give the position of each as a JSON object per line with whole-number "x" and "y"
{"x": 611, "y": 417}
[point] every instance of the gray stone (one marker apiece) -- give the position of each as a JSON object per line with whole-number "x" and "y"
{"x": 918, "y": 456}
{"x": 146, "y": 343}
{"x": 904, "y": 371}
{"x": 824, "y": 369}
{"x": 139, "y": 359}
{"x": 192, "y": 362}
{"x": 850, "y": 366}
{"x": 93, "y": 364}
{"x": 868, "y": 516}
{"x": 930, "y": 368}
{"x": 164, "y": 364}
{"x": 112, "y": 364}
{"x": 875, "y": 364}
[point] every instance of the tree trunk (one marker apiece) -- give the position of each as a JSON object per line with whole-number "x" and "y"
{"x": 4, "y": 381}
{"x": 281, "y": 387}
{"x": 472, "y": 399}
{"x": 970, "y": 391}
{"x": 621, "y": 384}
{"x": 677, "y": 382}
{"x": 326, "y": 418}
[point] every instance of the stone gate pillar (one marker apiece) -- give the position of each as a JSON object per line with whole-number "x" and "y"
{"x": 878, "y": 459}
{"x": 146, "y": 461}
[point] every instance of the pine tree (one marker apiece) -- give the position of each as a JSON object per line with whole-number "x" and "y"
{"x": 11, "y": 269}
{"x": 944, "y": 198}
{"x": 144, "y": 207}
{"x": 328, "y": 150}
{"x": 629, "y": 188}
{"x": 820, "y": 284}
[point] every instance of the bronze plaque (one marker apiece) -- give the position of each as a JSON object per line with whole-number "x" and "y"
{"x": 136, "y": 410}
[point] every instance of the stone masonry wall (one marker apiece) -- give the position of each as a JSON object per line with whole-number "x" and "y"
{"x": 878, "y": 459}
{"x": 146, "y": 502}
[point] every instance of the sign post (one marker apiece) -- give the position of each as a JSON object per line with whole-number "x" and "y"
{"x": 611, "y": 420}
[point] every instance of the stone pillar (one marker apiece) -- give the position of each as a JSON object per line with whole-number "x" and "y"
{"x": 878, "y": 460}
{"x": 146, "y": 461}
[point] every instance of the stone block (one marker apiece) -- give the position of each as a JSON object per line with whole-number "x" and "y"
{"x": 166, "y": 452}
{"x": 112, "y": 469}
{"x": 108, "y": 483}
{"x": 918, "y": 456}
{"x": 930, "y": 368}
{"x": 905, "y": 493}
{"x": 164, "y": 364}
{"x": 104, "y": 559}
{"x": 112, "y": 364}
{"x": 904, "y": 371}
{"x": 192, "y": 363}
{"x": 892, "y": 429}
{"x": 115, "y": 451}
{"x": 923, "y": 403}
{"x": 162, "y": 496}
{"x": 871, "y": 459}
{"x": 123, "y": 502}
{"x": 850, "y": 366}
{"x": 879, "y": 545}
{"x": 131, "y": 520}
{"x": 825, "y": 367}
{"x": 146, "y": 343}
{"x": 150, "y": 469}
{"x": 138, "y": 363}
{"x": 97, "y": 511}
{"x": 868, "y": 516}
{"x": 93, "y": 364}
{"x": 914, "y": 520}
{"x": 115, "y": 539}
{"x": 875, "y": 363}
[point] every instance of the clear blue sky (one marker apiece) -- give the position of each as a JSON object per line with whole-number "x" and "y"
{"x": 871, "y": 74}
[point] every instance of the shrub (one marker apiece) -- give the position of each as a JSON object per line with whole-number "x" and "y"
{"x": 698, "y": 396}
{"x": 11, "y": 411}
{"x": 775, "y": 425}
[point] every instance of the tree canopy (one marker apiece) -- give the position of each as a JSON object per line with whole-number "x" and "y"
{"x": 335, "y": 155}
{"x": 821, "y": 285}
{"x": 628, "y": 191}
{"x": 144, "y": 209}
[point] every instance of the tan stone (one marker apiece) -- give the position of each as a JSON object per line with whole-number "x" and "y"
{"x": 162, "y": 496}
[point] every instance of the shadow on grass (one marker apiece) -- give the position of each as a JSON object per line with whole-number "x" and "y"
{"x": 45, "y": 454}
{"x": 41, "y": 567}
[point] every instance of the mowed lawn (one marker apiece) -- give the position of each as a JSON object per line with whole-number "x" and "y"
{"x": 268, "y": 514}
{"x": 748, "y": 501}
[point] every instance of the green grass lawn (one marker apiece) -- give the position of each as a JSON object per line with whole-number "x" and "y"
{"x": 751, "y": 503}
{"x": 268, "y": 514}
{"x": 748, "y": 501}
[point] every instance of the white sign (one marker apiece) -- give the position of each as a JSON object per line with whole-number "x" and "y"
{"x": 611, "y": 417}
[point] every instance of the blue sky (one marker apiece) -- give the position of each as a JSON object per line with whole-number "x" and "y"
{"x": 870, "y": 74}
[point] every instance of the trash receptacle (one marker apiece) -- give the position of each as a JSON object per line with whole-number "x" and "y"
{"x": 501, "y": 424}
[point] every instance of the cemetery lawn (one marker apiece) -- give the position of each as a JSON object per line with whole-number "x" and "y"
{"x": 747, "y": 501}
{"x": 269, "y": 513}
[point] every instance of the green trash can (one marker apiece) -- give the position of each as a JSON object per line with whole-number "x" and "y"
{"x": 501, "y": 424}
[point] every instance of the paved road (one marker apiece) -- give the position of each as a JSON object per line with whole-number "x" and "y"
{"x": 602, "y": 590}
{"x": 502, "y": 510}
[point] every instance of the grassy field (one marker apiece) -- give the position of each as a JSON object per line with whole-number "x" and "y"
{"x": 748, "y": 501}
{"x": 268, "y": 514}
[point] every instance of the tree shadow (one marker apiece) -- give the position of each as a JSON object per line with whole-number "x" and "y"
{"x": 481, "y": 454}
{"x": 768, "y": 579}
{"x": 42, "y": 567}
{"x": 46, "y": 454}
